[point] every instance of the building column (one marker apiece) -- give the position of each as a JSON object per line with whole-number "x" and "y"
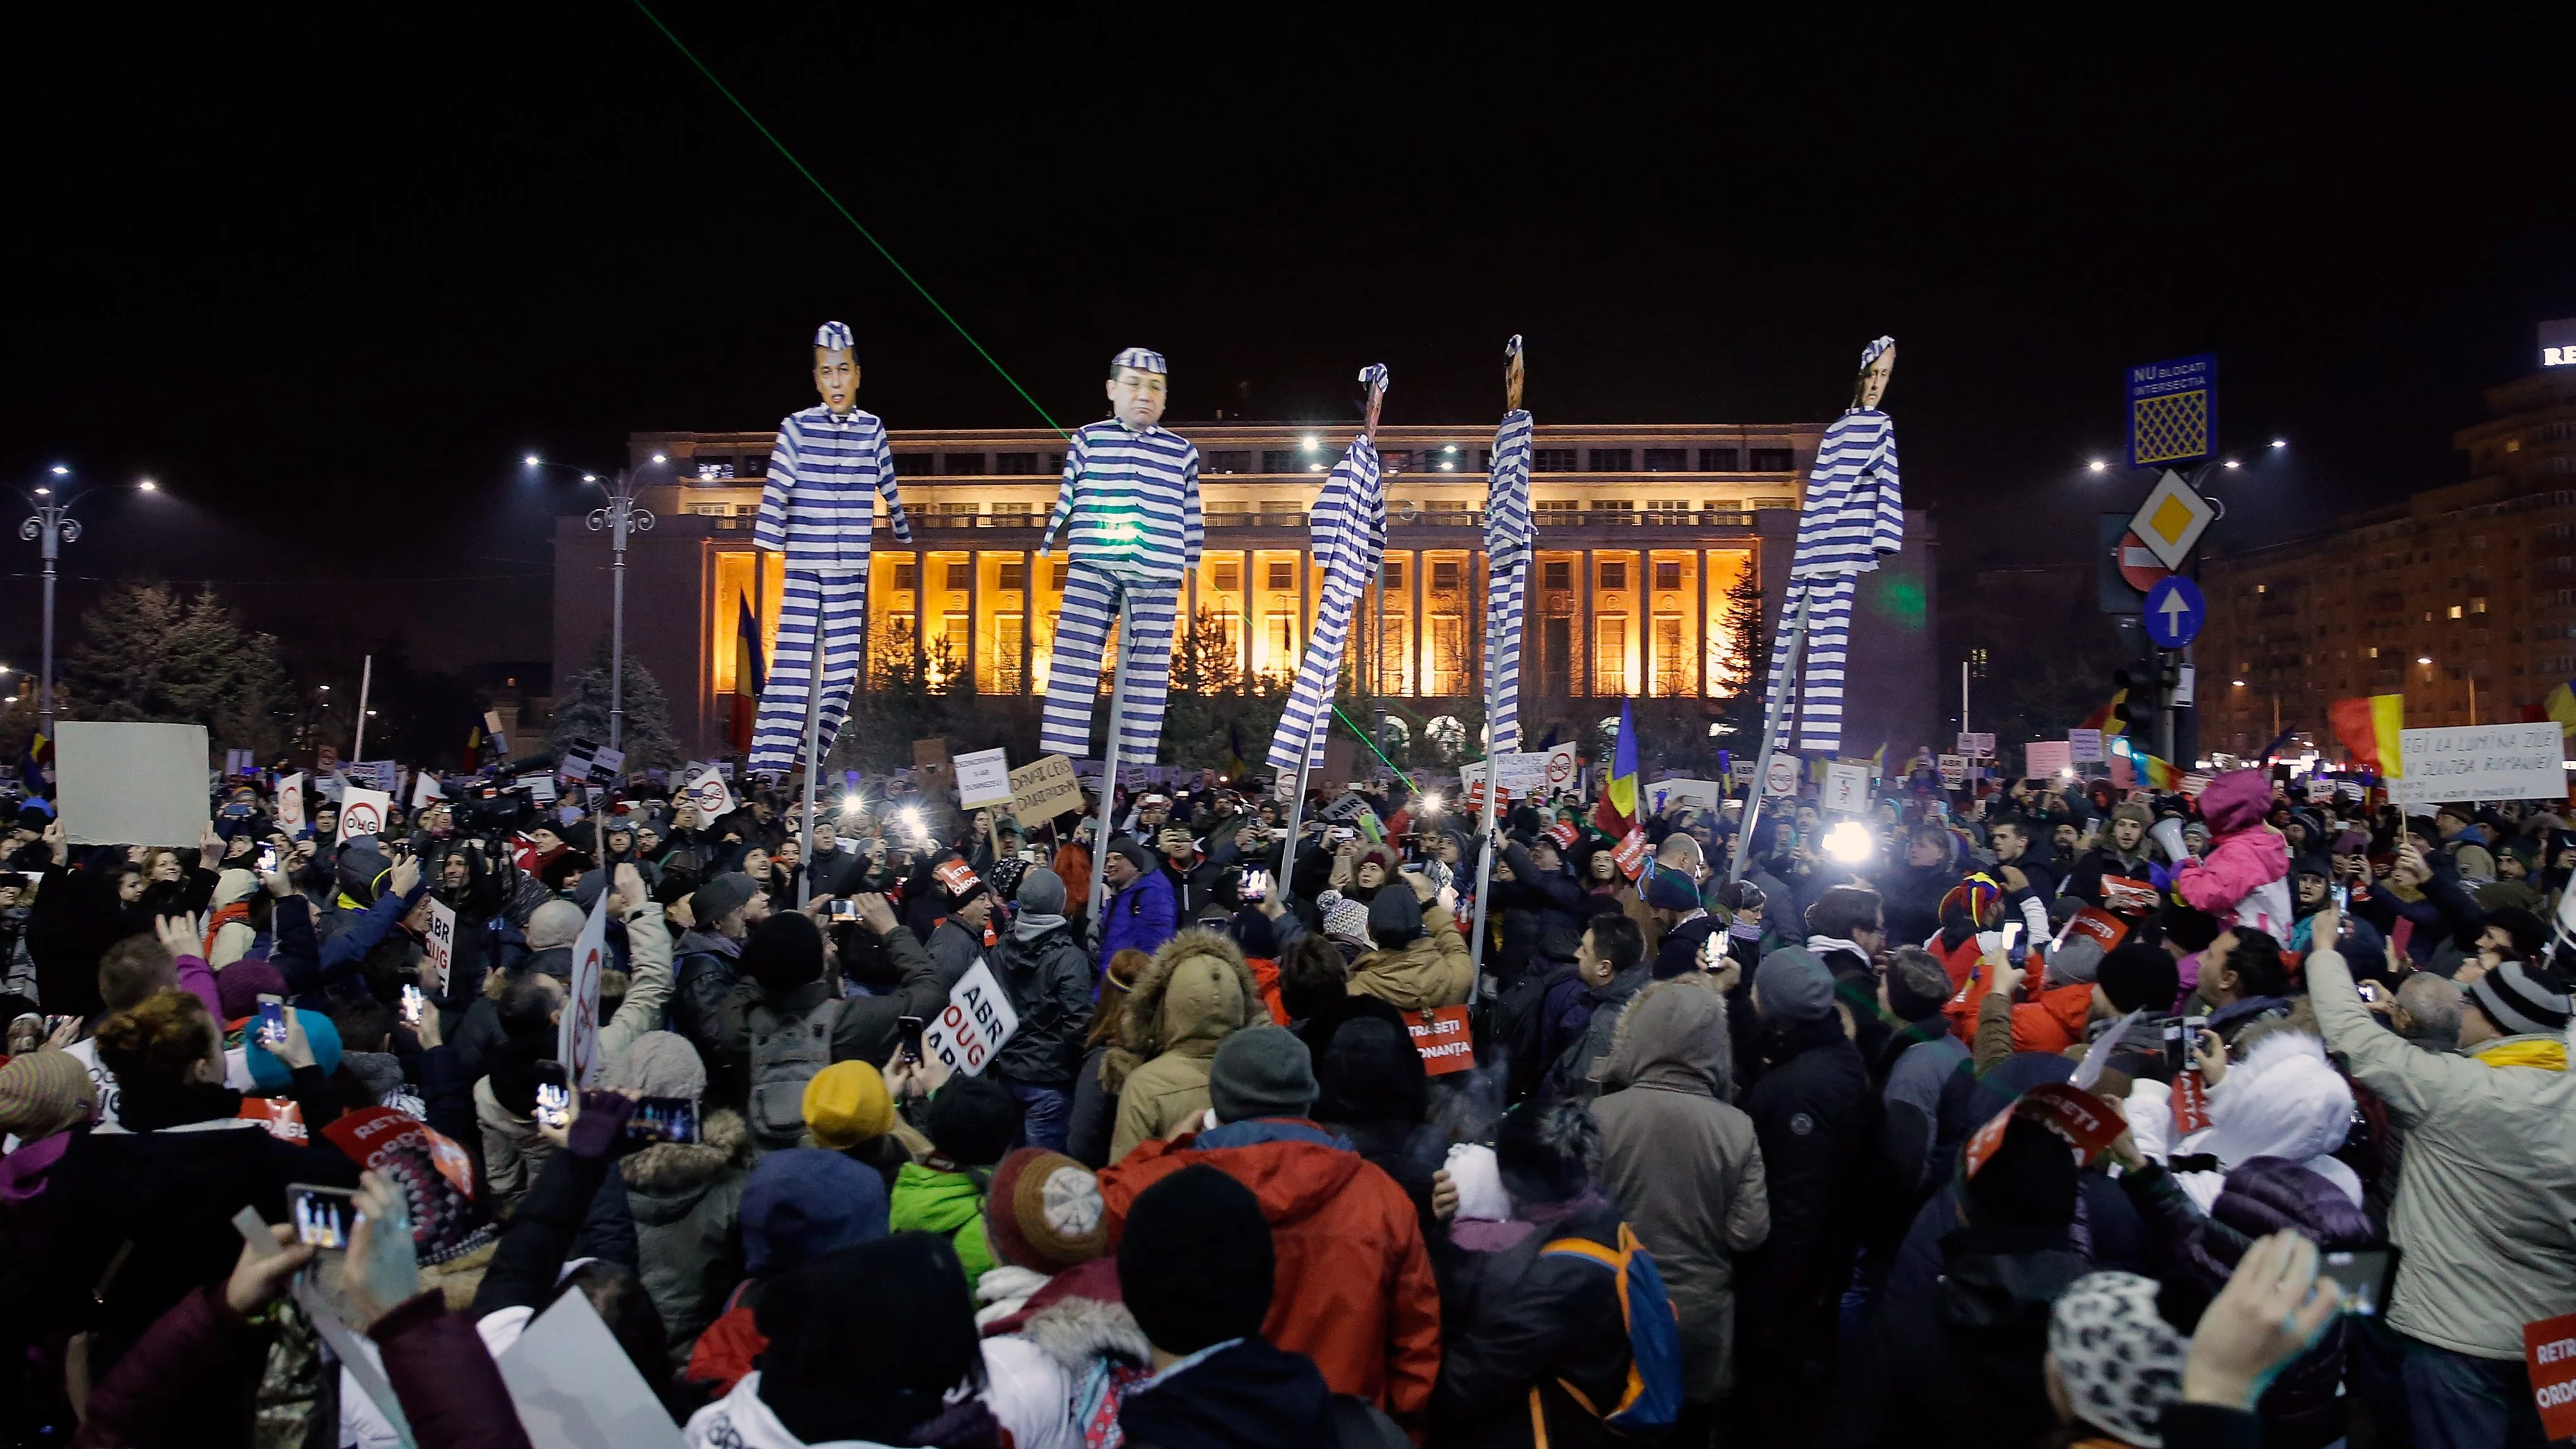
{"x": 1591, "y": 642}
{"x": 1029, "y": 566}
{"x": 1305, "y": 612}
{"x": 974, "y": 617}
{"x": 1645, "y": 613}
{"x": 1421, "y": 649}
{"x": 1243, "y": 655}
{"x": 1479, "y": 578}
{"x": 1699, "y": 628}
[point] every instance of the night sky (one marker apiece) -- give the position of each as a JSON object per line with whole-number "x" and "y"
{"x": 328, "y": 278}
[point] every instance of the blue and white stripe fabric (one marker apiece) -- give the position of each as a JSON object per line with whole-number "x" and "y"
{"x": 835, "y": 337}
{"x": 1143, "y": 359}
{"x": 838, "y": 601}
{"x": 1508, "y": 540}
{"x": 818, "y": 504}
{"x": 1089, "y": 609}
{"x": 1349, "y": 539}
{"x": 1129, "y": 506}
{"x": 1871, "y": 353}
{"x": 1854, "y": 510}
{"x": 1816, "y": 698}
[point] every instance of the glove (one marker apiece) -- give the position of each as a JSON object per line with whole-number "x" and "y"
{"x": 2168, "y": 833}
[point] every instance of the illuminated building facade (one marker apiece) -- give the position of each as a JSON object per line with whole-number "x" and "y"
{"x": 1642, "y": 533}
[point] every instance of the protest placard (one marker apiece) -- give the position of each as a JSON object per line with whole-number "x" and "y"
{"x": 706, "y": 790}
{"x": 120, "y": 783}
{"x": 290, "y": 803}
{"x": 2041, "y": 759}
{"x": 2084, "y": 747}
{"x": 976, "y": 1022}
{"x": 1846, "y": 788}
{"x": 2480, "y": 762}
{"x": 1043, "y": 789}
{"x": 577, "y": 1035}
{"x": 363, "y": 813}
{"x": 1441, "y": 1036}
{"x": 984, "y": 778}
{"x": 437, "y": 946}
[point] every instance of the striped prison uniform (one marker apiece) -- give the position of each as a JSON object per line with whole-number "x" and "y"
{"x": 818, "y": 506}
{"x": 1129, "y": 513}
{"x": 1853, "y": 513}
{"x": 1507, "y": 558}
{"x": 1349, "y": 537}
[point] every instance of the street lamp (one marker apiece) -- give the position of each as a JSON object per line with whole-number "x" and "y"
{"x": 617, "y": 517}
{"x": 50, "y": 527}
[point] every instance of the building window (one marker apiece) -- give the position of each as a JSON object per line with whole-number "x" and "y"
{"x": 1610, "y": 654}
{"x": 1394, "y": 575}
{"x": 1668, "y": 574}
{"x": 1395, "y": 460}
{"x": 1556, "y": 574}
{"x": 961, "y": 576}
{"x": 1015, "y": 463}
{"x": 1614, "y": 574}
{"x": 1283, "y": 637}
{"x": 1613, "y": 460}
{"x": 1667, "y": 460}
{"x": 1004, "y": 666}
{"x": 1668, "y": 510}
{"x": 1058, "y": 576}
{"x": 1672, "y": 672}
{"x": 1556, "y": 510}
{"x": 1556, "y": 655}
{"x": 1282, "y": 572}
{"x": 916, "y": 465}
{"x": 965, "y": 465}
{"x": 1229, "y": 577}
{"x": 1444, "y": 575}
{"x": 1012, "y": 575}
{"x": 1551, "y": 460}
{"x": 1230, "y": 462}
{"x": 907, "y": 577}
{"x": 1774, "y": 460}
{"x": 1718, "y": 460}
{"x": 1280, "y": 460}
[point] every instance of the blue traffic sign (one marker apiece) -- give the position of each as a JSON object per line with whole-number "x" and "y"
{"x": 2175, "y": 611}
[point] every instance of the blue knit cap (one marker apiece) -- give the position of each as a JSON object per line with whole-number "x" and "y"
{"x": 270, "y": 1074}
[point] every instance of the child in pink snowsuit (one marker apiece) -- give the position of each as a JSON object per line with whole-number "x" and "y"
{"x": 2244, "y": 878}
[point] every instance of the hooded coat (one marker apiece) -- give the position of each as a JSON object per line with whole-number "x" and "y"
{"x": 1049, "y": 982}
{"x": 1432, "y": 970}
{"x": 2242, "y": 878}
{"x": 1353, "y": 1288}
{"x": 1195, "y": 993}
{"x": 687, "y": 1202}
{"x": 1683, "y": 1165}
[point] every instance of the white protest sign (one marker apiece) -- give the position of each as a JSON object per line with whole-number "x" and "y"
{"x": 2320, "y": 791}
{"x": 130, "y": 783}
{"x": 1740, "y": 771}
{"x": 574, "y": 1387}
{"x": 1520, "y": 774}
{"x": 706, "y": 790}
{"x": 1561, "y": 765}
{"x": 2084, "y": 747}
{"x": 1666, "y": 794}
{"x": 2043, "y": 758}
{"x": 607, "y": 764}
{"x": 1979, "y": 746}
{"x": 363, "y": 812}
{"x": 577, "y": 1036}
{"x": 1781, "y": 778}
{"x": 2480, "y": 762}
{"x": 438, "y": 946}
{"x": 541, "y": 788}
{"x": 1846, "y": 788}
{"x": 983, "y": 778}
{"x": 977, "y": 1021}
{"x": 290, "y": 803}
{"x": 425, "y": 788}
{"x": 1045, "y": 788}
{"x": 1954, "y": 771}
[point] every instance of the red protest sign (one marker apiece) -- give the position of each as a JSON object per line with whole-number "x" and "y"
{"x": 2099, "y": 924}
{"x": 280, "y": 1115}
{"x": 954, "y": 876}
{"x": 1441, "y": 1037}
{"x": 2190, "y": 1104}
{"x": 1630, "y": 854}
{"x": 2082, "y": 1120}
{"x": 2549, "y": 1352}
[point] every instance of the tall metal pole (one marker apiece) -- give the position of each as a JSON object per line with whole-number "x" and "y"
{"x": 1485, "y": 832}
{"x": 366, "y": 681}
{"x": 620, "y": 517}
{"x": 1771, "y": 721}
{"x": 1099, "y": 896}
{"x": 46, "y": 690}
{"x": 1963, "y": 696}
{"x": 50, "y": 528}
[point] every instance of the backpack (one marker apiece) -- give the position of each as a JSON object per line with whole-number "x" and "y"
{"x": 1653, "y": 1397}
{"x": 786, "y": 1053}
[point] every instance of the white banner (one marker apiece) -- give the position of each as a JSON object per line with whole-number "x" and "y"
{"x": 1663, "y": 795}
{"x": 577, "y": 1035}
{"x": 131, "y": 784}
{"x": 978, "y": 1020}
{"x": 2465, "y": 763}
{"x": 363, "y": 812}
{"x": 983, "y": 778}
{"x": 1520, "y": 774}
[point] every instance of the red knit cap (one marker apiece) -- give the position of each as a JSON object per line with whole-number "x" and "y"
{"x": 1044, "y": 1212}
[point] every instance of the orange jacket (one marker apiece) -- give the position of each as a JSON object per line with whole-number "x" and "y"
{"x": 1353, "y": 1289}
{"x": 1266, "y": 971}
{"x": 2050, "y": 1022}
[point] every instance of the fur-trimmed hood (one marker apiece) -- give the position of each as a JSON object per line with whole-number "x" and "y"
{"x": 1672, "y": 1035}
{"x": 682, "y": 1170}
{"x": 2284, "y": 1099}
{"x": 1078, "y": 1332}
{"x": 1194, "y": 993}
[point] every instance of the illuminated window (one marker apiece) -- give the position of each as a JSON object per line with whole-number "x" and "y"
{"x": 1610, "y": 654}
{"x": 1394, "y": 577}
{"x": 1012, "y": 575}
{"x": 961, "y": 576}
{"x": 1556, "y": 574}
{"x": 1444, "y": 575}
{"x": 907, "y": 576}
{"x": 1229, "y": 577}
{"x": 1614, "y": 574}
{"x": 1282, "y": 573}
{"x": 1668, "y": 573}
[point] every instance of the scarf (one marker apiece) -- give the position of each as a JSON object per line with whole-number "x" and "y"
{"x": 1033, "y": 924}
{"x": 2549, "y": 1054}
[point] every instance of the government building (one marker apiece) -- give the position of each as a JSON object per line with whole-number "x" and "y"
{"x": 2462, "y": 598}
{"x": 1643, "y": 531}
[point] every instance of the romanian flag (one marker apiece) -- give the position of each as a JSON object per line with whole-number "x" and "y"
{"x": 2561, "y": 706}
{"x": 31, "y": 770}
{"x": 749, "y": 679}
{"x": 2368, "y": 727}
{"x": 474, "y": 747}
{"x": 1616, "y": 813}
{"x": 2160, "y": 774}
{"x": 2107, "y": 718}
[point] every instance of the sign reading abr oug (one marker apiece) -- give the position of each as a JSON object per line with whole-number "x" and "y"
{"x": 2480, "y": 762}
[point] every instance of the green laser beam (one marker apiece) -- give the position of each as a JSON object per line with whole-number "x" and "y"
{"x": 767, "y": 135}
{"x": 1374, "y": 750}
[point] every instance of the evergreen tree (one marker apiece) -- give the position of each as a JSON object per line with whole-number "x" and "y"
{"x": 149, "y": 653}
{"x": 581, "y": 713}
{"x": 1747, "y": 653}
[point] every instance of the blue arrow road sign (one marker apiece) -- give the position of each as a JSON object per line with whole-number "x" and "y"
{"x": 2175, "y": 611}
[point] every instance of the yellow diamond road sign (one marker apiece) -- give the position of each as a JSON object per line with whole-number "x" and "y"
{"x": 2171, "y": 520}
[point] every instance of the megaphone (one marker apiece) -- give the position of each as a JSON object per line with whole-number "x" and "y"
{"x": 2168, "y": 833}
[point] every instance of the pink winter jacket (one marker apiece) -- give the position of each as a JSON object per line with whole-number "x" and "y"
{"x": 2245, "y": 857}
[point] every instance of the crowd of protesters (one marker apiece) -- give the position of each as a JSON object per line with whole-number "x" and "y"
{"x": 1790, "y": 1155}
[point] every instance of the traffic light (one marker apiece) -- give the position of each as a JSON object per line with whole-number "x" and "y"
{"x": 2141, "y": 698}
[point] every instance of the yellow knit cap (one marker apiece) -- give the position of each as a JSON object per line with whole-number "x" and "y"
{"x": 846, "y": 1104}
